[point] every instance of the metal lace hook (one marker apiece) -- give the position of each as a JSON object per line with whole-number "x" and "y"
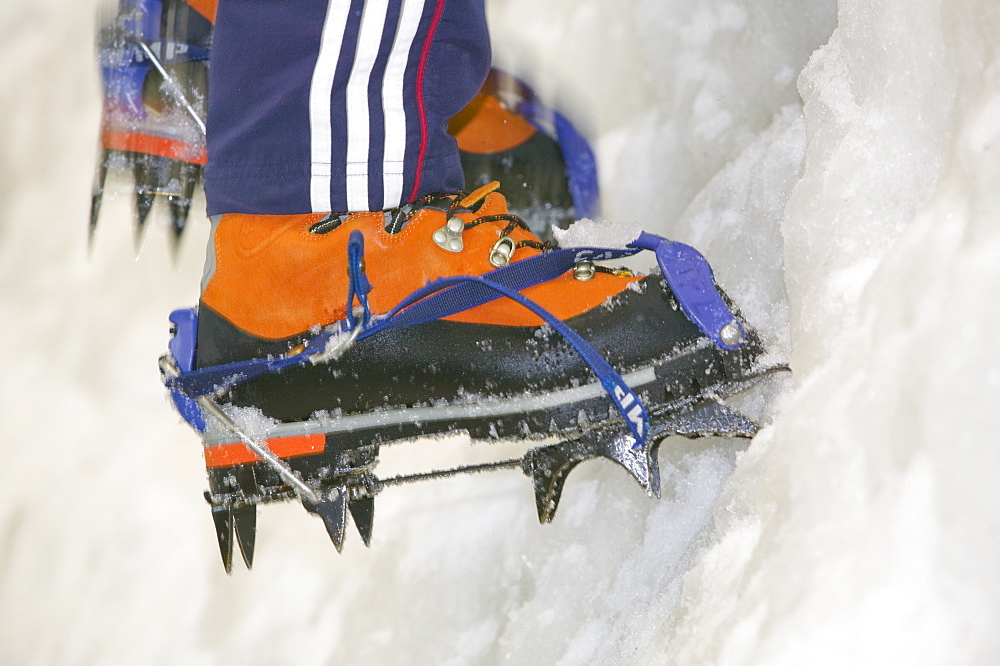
{"x": 502, "y": 251}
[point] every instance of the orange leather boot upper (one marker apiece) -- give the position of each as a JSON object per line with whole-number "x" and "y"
{"x": 274, "y": 278}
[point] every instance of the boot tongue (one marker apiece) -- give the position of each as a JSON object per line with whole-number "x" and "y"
{"x": 397, "y": 218}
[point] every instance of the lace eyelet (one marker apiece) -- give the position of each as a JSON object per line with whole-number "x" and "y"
{"x": 502, "y": 251}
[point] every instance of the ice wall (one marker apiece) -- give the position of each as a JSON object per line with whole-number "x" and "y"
{"x": 859, "y": 231}
{"x": 861, "y": 527}
{"x": 673, "y": 90}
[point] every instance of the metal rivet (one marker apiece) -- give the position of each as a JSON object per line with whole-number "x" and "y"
{"x": 731, "y": 334}
{"x": 297, "y": 349}
{"x": 449, "y": 237}
{"x": 584, "y": 270}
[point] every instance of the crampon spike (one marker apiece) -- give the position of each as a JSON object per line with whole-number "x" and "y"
{"x": 333, "y": 510}
{"x": 188, "y": 176}
{"x": 179, "y": 208}
{"x": 97, "y": 194}
{"x": 363, "y": 513}
{"x": 710, "y": 418}
{"x": 548, "y": 466}
{"x": 145, "y": 195}
{"x": 223, "y": 519}
{"x": 245, "y": 515}
{"x": 245, "y": 524}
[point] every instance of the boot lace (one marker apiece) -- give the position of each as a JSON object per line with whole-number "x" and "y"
{"x": 455, "y": 203}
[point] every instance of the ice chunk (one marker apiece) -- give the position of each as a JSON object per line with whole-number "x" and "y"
{"x": 598, "y": 233}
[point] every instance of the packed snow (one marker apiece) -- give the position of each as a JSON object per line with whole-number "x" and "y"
{"x": 837, "y": 163}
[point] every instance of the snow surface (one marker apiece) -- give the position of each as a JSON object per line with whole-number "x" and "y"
{"x": 838, "y": 165}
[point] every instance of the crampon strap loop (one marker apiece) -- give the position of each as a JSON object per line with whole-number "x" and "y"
{"x": 358, "y": 285}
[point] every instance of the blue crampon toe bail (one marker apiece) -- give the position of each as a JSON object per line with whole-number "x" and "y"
{"x": 692, "y": 281}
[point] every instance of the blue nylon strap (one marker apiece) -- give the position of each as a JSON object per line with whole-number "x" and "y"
{"x": 220, "y": 377}
{"x": 422, "y": 306}
{"x": 631, "y": 408}
{"x": 440, "y": 296}
{"x": 684, "y": 268}
{"x": 516, "y": 276}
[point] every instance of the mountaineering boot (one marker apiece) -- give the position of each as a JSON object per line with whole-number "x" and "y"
{"x": 548, "y": 169}
{"x": 276, "y": 278}
{"x": 444, "y": 315}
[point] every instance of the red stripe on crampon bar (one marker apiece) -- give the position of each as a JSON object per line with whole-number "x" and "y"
{"x": 237, "y": 453}
{"x": 153, "y": 145}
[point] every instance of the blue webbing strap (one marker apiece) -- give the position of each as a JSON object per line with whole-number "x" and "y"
{"x": 517, "y": 276}
{"x": 422, "y": 306}
{"x": 685, "y": 269}
{"x": 631, "y": 408}
{"x": 453, "y": 295}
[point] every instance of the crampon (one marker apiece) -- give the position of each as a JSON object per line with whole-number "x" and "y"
{"x": 654, "y": 360}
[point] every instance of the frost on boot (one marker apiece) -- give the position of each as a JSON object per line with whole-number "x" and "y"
{"x": 344, "y": 333}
